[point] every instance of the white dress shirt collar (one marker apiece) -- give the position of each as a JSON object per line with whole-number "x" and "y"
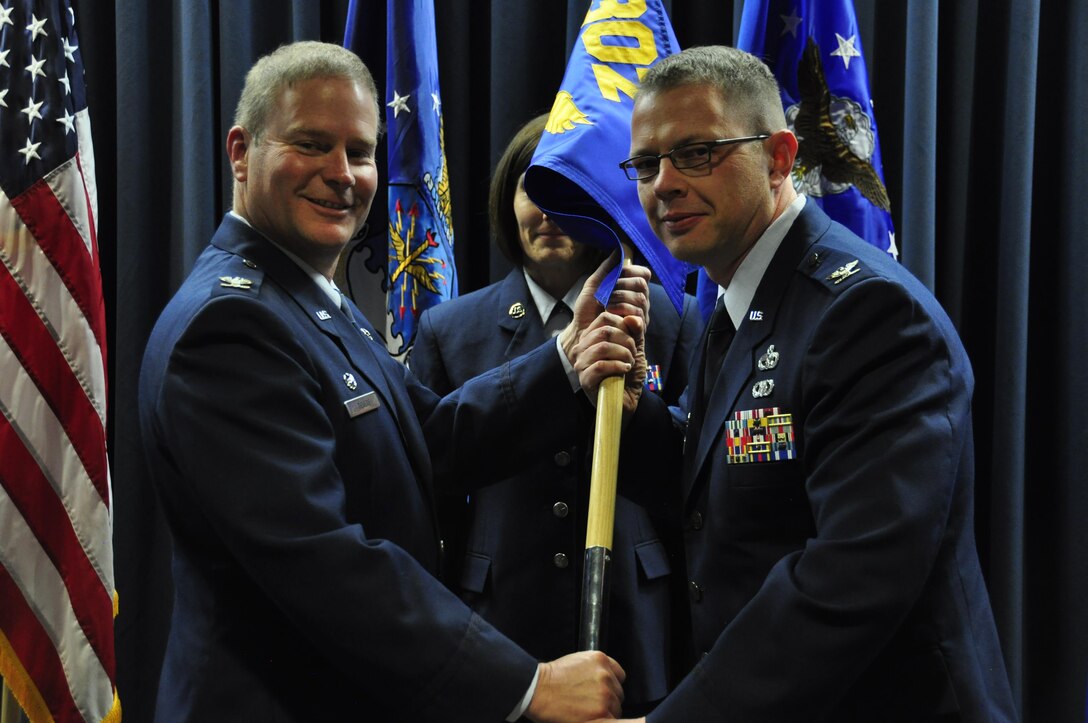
{"x": 545, "y": 302}
{"x": 742, "y": 288}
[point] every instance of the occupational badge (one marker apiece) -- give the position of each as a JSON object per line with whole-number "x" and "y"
{"x": 517, "y": 310}
{"x": 349, "y": 381}
{"x": 769, "y": 360}
{"x": 763, "y": 388}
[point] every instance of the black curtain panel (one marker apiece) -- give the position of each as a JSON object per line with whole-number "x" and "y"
{"x": 982, "y": 110}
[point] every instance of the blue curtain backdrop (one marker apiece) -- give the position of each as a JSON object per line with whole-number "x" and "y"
{"x": 983, "y": 113}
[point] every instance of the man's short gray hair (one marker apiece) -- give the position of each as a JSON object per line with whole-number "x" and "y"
{"x": 290, "y": 64}
{"x": 745, "y": 82}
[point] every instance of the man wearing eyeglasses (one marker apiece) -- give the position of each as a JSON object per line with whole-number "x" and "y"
{"x": 824, "y": 443}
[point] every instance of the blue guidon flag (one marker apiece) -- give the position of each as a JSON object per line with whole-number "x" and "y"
{"x": 814, "y": 49}
{"x": 574, "y": 175}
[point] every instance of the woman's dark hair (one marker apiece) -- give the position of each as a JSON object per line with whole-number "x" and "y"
{"x": 504, "y": 186}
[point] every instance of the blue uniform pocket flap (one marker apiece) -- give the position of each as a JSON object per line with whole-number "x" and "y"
{"x": 653, "y": 559}
{"x": 474, "y": 574}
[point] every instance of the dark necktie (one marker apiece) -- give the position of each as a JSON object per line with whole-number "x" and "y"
{"x": 719, "y": 335}
{"x": 558, "y": 319}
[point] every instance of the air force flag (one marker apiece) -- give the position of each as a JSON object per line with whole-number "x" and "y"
{"x": 814, "y": 49}
{"x": 421, "y": 263}
{"x": 574, "y": 176}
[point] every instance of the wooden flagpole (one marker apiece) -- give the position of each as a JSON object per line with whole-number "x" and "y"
{"x": 602, "y": 514}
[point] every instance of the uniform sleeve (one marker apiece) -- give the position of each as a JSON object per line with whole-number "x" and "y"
{"x": 485, "y": 430}
{"x": 425, "y": 359}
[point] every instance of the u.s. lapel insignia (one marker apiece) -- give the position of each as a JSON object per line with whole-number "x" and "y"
{"x": 235, "y": 282}
{"x": 366, "y": 333}
{"x": 323, "y": 315}
{"x": 349, "y": 381}
{"x": 844, "y": 272}
{"x": 759, "y": 435}
{"x": 755, "y": 315}
{"x": 769, "y": 360}
{"x": 763, "y": 388}
{"x": 517, "y": 310}
{"x": 653, "y": 377}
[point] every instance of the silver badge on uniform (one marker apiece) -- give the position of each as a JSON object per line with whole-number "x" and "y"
{"x": 366, "y": 333}
{"x": 323, "y": 315}
{"x": 763, "y": 388}
{"x": 349, "y": 380}
{"x": 769, "y": 360}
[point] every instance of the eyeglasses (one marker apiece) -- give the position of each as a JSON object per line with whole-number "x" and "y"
{"x": 689, "y": 155}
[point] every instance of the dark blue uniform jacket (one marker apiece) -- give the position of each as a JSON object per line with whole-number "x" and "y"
{"x": 296, "y": 463}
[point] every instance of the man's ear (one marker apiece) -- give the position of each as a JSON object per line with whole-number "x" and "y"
{"x": 783, "y": 151}
{"x": 238, "y": 142}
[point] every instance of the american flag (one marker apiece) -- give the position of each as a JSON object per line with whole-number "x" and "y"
{"x": 57, "y": 597}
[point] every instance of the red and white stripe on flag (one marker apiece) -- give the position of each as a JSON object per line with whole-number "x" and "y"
{"x": 57, "y": 596}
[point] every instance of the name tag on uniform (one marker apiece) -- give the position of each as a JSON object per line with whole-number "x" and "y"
{"x": 362, "y": 404}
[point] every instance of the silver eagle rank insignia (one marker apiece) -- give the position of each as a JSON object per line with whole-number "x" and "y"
{"x": 842, "y": 273}
{"x": 235, "y": 282}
